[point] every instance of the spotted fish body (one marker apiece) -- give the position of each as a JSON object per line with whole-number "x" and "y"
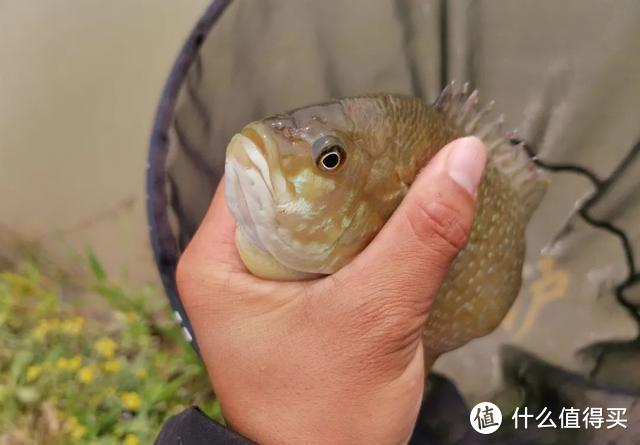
{"x": 299, "y": 215}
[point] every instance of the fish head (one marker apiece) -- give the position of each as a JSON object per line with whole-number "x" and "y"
{"x": 292, "y": 185}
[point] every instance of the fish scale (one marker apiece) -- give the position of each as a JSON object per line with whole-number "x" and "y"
{"x": 383, "y": 141}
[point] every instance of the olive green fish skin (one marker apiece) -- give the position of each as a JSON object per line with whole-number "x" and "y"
{"x": 485, "y": 277}
{"x": 324, "y": 219}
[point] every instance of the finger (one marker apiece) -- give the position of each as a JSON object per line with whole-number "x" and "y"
{"x": 212, "y": 279}
{"x": 409, "y": 258}
{"x": 213, "y": 245}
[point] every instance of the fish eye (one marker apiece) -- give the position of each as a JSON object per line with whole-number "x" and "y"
{"x": 331, "y": 159}
{"x": 329, "y": 153}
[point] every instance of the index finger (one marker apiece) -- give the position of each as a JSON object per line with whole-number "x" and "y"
{"x": 213, "y": 244}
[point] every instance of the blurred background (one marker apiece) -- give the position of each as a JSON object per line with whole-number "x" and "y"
{"x": 89, "y": 354}
{"x": 81, "y": 306}
{"x": 79, "y": 86}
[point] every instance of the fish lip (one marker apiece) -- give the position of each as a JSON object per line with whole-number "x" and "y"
{"x": 257, "y": 137}
{"x": 249, "y": 149}
{"x": 251, "y": 180}
{"x": 254, "y": 188}
{"x": 248, "y": 180}
{"x": 237, "y": 202}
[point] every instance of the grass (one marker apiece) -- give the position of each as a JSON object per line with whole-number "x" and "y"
{"x": 96, "y": 363}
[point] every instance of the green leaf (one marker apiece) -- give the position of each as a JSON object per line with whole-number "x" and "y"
{"x": 96, "y": 266}
{"x": 175, "y": 377}
{"x": 20, "y": 362}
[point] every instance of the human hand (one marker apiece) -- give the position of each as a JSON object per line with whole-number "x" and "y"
{"x": 337, "y": 359}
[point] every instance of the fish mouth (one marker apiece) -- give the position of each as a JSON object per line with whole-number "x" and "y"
{"x": 248, "y": 152}
{"x": 255, "y": 188}
{"x": 257, "y": 138}
{"x": 249, "y": 189}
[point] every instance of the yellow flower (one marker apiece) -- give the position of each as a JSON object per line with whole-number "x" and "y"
{"x": 141, "y": 373}
{"x": 62, "y": 363}
{"x": 113, "y": 365}
{"x": 72, "y": 326}
{"x": 75, "y": 429}
{"x": 33, "y": 372}
{"x": 86, "y": 374}
{"x": 106, "y": 347}
{"x": 75, "y": 362}
{"x": 71, "y": 422}
{"x": 41, "y": 330}
{"x": 131, "y": 401}
{"x": 131, "y": 439}
{"x": 131, "y": 316}
{"x": 78, "y": 432}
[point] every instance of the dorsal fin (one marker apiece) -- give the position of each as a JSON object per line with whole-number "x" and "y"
{"x": 462, "y": 106}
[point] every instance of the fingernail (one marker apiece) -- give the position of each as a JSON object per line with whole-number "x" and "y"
{"x": 465, "y": 163}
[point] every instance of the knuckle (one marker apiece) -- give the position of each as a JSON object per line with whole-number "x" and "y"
{"x": 438, "y": 220}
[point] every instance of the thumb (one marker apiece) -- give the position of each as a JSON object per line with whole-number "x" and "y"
{"x": 411, "y": 254}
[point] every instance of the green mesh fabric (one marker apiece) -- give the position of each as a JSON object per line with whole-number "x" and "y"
{"x": 567, "y": 76}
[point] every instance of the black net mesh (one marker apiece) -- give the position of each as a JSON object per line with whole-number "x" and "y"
{"x": 567, "y": 76}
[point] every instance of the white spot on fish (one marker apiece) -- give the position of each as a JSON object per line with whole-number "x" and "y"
{"x": 299, "y": 206}
{"x": 307, "y": 178}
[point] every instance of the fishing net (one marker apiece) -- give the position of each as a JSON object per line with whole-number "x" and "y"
{"x": 567, "y": 76}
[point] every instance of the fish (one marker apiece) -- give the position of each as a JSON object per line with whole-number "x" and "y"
{"x": 310, "y": 188}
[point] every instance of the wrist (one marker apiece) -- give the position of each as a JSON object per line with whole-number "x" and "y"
{"x": 363, "y": 413}
{"x": 338, "y": 423}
